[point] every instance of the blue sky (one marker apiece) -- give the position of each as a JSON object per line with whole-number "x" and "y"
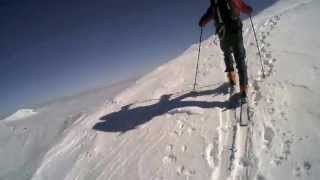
{"x": 50, "y": 49}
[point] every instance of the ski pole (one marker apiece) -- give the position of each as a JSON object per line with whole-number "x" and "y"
{"x": 257, "y": 43}
{"x": 195, "y": 77}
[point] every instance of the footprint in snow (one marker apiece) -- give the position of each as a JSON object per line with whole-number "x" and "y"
{"x": 184, "y": 148}
{"x": 286, "y": 147}
{"x": 303, "y": 169}
{"x": 171, "y": 158}
{"x": 307, "y": 167}
{"x": 271, "y": 110}
{"x": 297, "y": 172}
{"x": 190, "y": 130}
{"x": 277, "y": 18}
{"x": 260, "y": 177}
{"x": 277, "y": 161}
{"x": 178, "y": 133}
{"x": 179, "y": 128}
{"x": 169, "y": 148}
{"x": 182, "y": 170}
{"x": 270, "y": 100}
{"x": 180, "y": 125}
{"x": 268, "y": 136}
{"x": 268, "y": 55}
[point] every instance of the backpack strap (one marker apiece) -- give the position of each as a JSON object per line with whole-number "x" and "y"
{"x": 227, "y": 8}
{"x": 218, "y": 12}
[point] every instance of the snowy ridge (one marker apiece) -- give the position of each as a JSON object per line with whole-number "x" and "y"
{"x": 21, "y": 114}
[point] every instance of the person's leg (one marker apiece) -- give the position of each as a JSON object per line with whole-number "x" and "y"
{"x": 240, "y": 56}
{"x": 228, "y": 60}
{"x": 226, "y": 49}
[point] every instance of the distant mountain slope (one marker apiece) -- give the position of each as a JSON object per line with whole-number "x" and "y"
{"x": 25, "y": 141}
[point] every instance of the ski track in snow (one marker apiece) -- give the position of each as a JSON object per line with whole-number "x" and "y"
{"x": 244, "y": 156}
{"x": 235, "y": 151}
{"x": 245, "y": 162}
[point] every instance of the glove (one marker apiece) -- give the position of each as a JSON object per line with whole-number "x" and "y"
{"x": 250, "y": 10}
{"x": 201, "y": 22}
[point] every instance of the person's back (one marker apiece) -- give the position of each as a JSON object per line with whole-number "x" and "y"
{"x": 226, "y": 15}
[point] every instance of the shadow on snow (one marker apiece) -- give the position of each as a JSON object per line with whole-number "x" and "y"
{"x": 127, "y": 119}
{"x": 130, "y": 118}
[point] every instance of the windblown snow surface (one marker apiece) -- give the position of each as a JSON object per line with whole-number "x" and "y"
{"x": 158, "y": 130}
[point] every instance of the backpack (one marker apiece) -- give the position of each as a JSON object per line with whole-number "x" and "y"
{"x": 226, "y": 21}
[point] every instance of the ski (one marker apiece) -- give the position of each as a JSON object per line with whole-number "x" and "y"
{"x": 233, "y": 104}
{"x": 244, "y": 112}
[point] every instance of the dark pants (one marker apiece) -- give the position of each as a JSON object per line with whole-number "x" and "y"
{"x": 233, "y": 43}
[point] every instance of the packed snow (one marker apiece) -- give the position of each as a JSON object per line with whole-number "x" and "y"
{"x": 158, "y": 129}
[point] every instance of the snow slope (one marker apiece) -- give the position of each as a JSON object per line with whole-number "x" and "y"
{"x": 158, "y": 130}
{"x": 287, "y": 115}
{"x": 24, "y": 142}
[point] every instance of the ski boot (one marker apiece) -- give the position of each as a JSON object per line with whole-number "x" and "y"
{"x": 231, "y": 77}
{"x": 243, "y": 93}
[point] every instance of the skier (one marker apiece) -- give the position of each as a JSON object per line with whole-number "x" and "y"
{"x": 226, "y": 16}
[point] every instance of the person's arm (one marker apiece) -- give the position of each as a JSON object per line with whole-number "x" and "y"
{"x": 207, "y": 17}
{"x": 242, "y": 6}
